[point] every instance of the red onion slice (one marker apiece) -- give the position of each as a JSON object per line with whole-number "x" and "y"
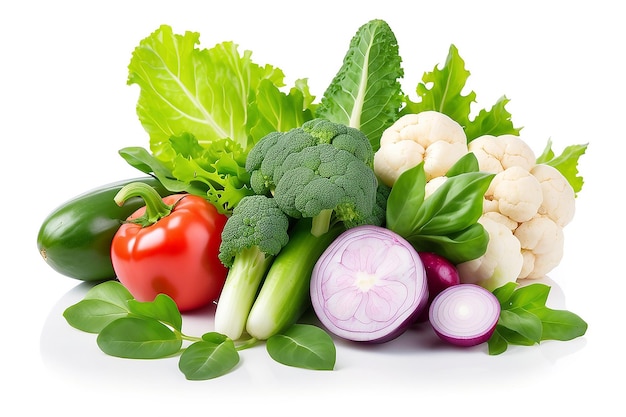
{"x": 464, "y": 314}
{"x": 369, "y": 285}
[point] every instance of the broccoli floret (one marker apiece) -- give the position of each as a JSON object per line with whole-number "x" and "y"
{"x": 269, "y": 154}
{"x": 327, "y": 184}
{"x": 252, "y": 236}
{"x": 256, "y": 222}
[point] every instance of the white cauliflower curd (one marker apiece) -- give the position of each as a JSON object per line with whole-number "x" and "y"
{"x": 542, "y": 242}
{"x": 514, "y": 193}
{"x": 497, "y": 153}
{"x": 501, "y": 263}
{"x": 428, "y": 136}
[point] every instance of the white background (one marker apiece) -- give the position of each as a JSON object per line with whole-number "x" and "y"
{"x": 65, "y": 111}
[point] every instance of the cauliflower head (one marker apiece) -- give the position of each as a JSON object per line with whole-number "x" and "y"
{"x": 559, "y": 199}
{"x": 542, "y": 242}
{"x": 497, "y": 153}
{"x": 514, "y": 193}
{"x": 501, "y": 262}
{"x": 430, "y": 137}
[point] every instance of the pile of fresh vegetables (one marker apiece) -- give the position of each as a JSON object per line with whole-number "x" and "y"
{"x": 375, "y": 212}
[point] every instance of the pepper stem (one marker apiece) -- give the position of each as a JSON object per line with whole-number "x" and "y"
{"x": 156, "y": 208}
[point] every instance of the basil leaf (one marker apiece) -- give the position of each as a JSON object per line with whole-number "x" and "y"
{"x": 303, "y": 346}
{"x": 101, "y": 305}
{"x": 209, "y": 358}
{"x": 530, "y": 296}
{"x": 496, "y": 343}
{"x": 138, "y": 338}
{"x": 467, "y": 163}
{"x": 463, "y": 246}
{"x": 504, "y": 293}
{"x": 455, "y": 205}
{"x": 405, "y": 198}
{"x": 560, "y": 324}
{"x": 162, "y": 308}
{"x": 523, "y": 322}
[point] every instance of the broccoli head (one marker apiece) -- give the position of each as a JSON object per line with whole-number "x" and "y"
{"x": 327, "y": 184}
{"x": 256, "y": 223}
{"x": 269, "y": 154}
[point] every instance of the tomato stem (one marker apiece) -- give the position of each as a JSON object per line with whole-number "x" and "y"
{"x": 156, "y": 208}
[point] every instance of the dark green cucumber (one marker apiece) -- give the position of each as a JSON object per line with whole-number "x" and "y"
{"x": 75, "y": 239}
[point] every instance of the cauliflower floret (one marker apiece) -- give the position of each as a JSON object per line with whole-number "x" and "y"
{"x": 433, "y": 184}
{"x": 428, "y": 136}
{"x": 558, "y": 195}
{"x": 501, "y": 263}
{"x": 514, "y": 193}
{"x": 497, "y": 153}
{"x": 501, "y": 218}
{"x": 542, "y": 242}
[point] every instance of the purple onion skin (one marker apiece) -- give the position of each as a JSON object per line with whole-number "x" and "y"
{"x": 440, "y": 274}
{"x": 400, "y": 262}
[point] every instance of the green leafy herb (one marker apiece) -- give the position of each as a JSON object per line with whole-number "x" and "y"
{"x": 366, "y": 92}
{"x": 138, "y": 338}
{"x": 526, "y": 320}
{"x": 447, "y": 221}
{"x": 213, "y": 356}
{"x": 566, "y": 163}
{"x": 303, "y": 346}
{"x": 128, "y": 328}
{"x": 101, "y": 305}
{"x": 441, "y": 90}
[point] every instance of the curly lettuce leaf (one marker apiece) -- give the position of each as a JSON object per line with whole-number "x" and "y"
{"x": 366, "y": 93}
{"x": 566, "y": 163}
{"x": 442, "y": 90}
{"x": 209, "y": 93}
{"x": 204, "y": 109}
{"x": 216, "y": 173}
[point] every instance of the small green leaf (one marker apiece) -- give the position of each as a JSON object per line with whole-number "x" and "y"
{"x": 441, "y": 90}
{"x": 162, "y": 308}
{"x": 566, "y": 163}
{"x": 110, "y": 291}
{"x": 207, "y": 359}
{"x": 530, "y": 296}
{"x": 514, "y": 338}
{"x": 303, "y": 346}
{"x": 467, "y": 163}
{"x": 92, "y": 316}
{"x": 455, "y": 205}
{"x": 468, "y": 244}
{"x": 101, "y": 305}
{"x": 504, "y": 293}
{"x": 214, "y": 337}
{"x": 523, "y": 322}
{"x": 560, "y": 324}
{"x": 497, "y": 344}
{"x": 406, "y": 196}
{"x": 138, "y": 338}
{"x": 495, "y": 122}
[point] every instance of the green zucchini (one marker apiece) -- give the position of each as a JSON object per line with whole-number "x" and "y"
{"x": 75, "y": 239}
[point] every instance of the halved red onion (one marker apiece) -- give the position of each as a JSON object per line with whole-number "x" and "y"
{"x": 369, "y": 285}
{"x": 464, "y": 314}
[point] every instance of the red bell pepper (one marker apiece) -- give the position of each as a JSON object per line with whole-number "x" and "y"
{"x": 170, "y": 246}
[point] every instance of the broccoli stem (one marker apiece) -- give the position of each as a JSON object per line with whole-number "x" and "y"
{"x": 321, "y": 223}
{"x": 242, "y": 284}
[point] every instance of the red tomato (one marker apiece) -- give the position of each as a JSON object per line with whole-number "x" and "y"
{"x": 176, "y": 256}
